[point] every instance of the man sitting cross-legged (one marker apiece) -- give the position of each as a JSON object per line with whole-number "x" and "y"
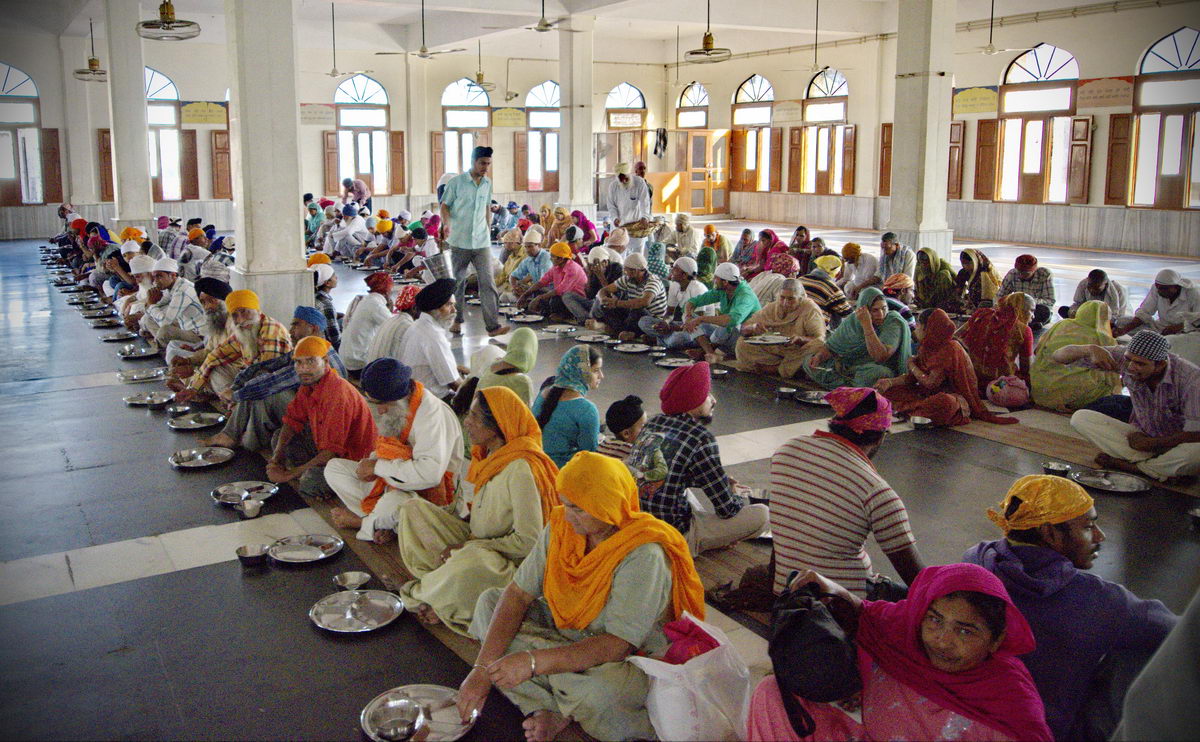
{"x": 418, "y": 453}
{"x": 327, "y": 419}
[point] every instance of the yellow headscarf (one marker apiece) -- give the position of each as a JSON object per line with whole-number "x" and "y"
{"x": 577, "y": 583}
{"x": 831, "y": 264}
{"x": 241, "y": 299}
{"x": 318, "y": 257}
{"x": 561, "y": 250}
{"x": 523, "y": 440}
{"x": 1044, "y": 499}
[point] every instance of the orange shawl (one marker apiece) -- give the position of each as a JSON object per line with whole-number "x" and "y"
{"x": 523, "y": 440}
{"x": 578, "y": 582}
{"x": 388, "y": 447}
{"x": 939, "y": 349}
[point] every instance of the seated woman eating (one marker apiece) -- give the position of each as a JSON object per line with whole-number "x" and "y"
{"x": 1070, "y": 387}
{"x": 999, "y": 339}
{"x": 940, "y": 664}
{"x": 792, "y": 315}
{"x": 940, "y": 381}
{"x": 453, "y": 560}
{"x": 874, "y": 344}
{"x": 598, "y": 586}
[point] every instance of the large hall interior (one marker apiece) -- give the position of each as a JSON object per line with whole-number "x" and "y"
{"x": 544, "y": 369}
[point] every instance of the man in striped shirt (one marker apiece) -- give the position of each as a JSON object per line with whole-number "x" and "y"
{"x": 827, "y": 498}
{"x": 620, "y": 305}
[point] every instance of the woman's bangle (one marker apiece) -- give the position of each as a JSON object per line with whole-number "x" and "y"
{"x": 532, "y": 663}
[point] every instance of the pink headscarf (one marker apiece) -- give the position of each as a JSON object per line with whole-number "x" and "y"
{"x": 845, "y": 398}
{"x": 785, "y": 265}
{"x": 433, "y": 226}
{"x": 998, "y": 693}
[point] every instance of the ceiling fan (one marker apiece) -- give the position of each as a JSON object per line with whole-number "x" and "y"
{"x": 708, "y": 53}
{"x": 542, "y": 26}
{"x": 423, "y": 52}
{"x": 990, "y": 49}
{"x": 479, "y": 82}
{"x": 676, "y": 82}
{"x": 816, "y": 67}
{"x": 333, "y": 33}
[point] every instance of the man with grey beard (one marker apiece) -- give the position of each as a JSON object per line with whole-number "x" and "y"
{"x": 425, "y": 347}
{"x": 184, "y": 357}
{"x": 132, "y": 307}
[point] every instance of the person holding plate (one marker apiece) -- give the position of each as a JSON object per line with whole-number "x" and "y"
{"x": 792, "y": 315}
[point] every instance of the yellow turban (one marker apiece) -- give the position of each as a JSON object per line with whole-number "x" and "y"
{"x": 578, "y": 581}
{"x": 383, "y": 214}
{"x": 131, "y": 233}
{"x": 383, "y": 225}
{"x": 318, "y": 257}
{"x": 311, "y": 347}
{"x": 1044, "y": 499}
{"x": 851, "y": 251}
{"x": 194, "y": 233}
{"x": 241, "y": 299}
{"x": 831, "y": 264}
{"x": 561, "y": 250}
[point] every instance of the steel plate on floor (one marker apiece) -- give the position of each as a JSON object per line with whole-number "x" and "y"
{"x": 142, "y": 375}
{"x": 674, "y": 362}
{"x": 631, "y": 347}
{"x": 1110, "y": 481}
{"x": 527, "y": 318}
{"x": 592, "y": 337}
{"x": 310, "y": 547}
{"x": 132, "y": 351}
{"x": 196, "y": 421}
{"x": 199, "y": 458}
{"x": 811, "y": 397}
{"x": 105, "y": 323}
{"x": 116, "y": 337}
{"x": 438, "y": 703}
{"x": 235, "y": 492}
{"x": 561, "y": 329}
{"x": 356, "y": 611}
{"x": 148, "y": 398}
{"x": 768, "y": 339}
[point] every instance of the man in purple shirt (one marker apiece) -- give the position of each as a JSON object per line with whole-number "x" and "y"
{"x": 1093, "y": 636}
{"x": 1162, "y": 437}
{"x": 354, "y": 190}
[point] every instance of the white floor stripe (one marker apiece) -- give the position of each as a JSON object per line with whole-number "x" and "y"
{"x": 121, "y": 561}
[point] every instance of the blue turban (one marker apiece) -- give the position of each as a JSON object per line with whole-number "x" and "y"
{"x": 311, "y": 315}
{"x": 386, "y": 380}
{"x": 349, "y": 210}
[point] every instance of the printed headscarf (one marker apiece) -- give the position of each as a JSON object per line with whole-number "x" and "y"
{"x": 844, "y": 399}
{"x": 574, "y": 370}
{"x": 1045, "y": 499}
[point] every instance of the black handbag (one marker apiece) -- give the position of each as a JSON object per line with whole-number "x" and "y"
{"x": 810, "y": 653}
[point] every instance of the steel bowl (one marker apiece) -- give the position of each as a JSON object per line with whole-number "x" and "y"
{"x": 252, "y": 555}
{"x": 717, "y": 371}
{"x": 786, "y": 392}
{"x": 179, "y": 410}
{"x": 397, "y": 719}
{"x": 1056, "y": 468}
{"x": 921, "y": 423}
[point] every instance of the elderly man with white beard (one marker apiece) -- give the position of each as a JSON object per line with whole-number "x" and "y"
{"x": 172, "y": 310}
{"x": 418, "y": 453}
{"x": 184, "y": 358}
{"x": 132, "y": 307}
{"x": 425, "y": 347}
{"x": 255, "y": 337}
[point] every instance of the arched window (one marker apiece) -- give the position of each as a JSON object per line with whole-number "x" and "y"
{"x": 20, "y": 139}
{"x": 691, "y": 110}
{"x": 466, "y": 121}
{"x": 755, "y": 89}
{"x": 537, "y": 146}
{"x": 164, "y": 137}
{"x": 1165, "y": 173}
{"x": 821, "y": 153}
{"x": 625, "y": 107}
{"x": 750, "y": 154}
{"x": 825, "y": 99}
{"x": 1040, "y": 140}
{"x": 363, "y": 124}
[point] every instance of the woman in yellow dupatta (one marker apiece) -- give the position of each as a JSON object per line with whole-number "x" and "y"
{"x": 598, "y": 587}
{"x": 1067, "y": 388}
{"x": 454, "y": 561}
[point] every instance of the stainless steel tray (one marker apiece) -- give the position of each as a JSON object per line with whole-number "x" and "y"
{"x": 311, "y": 547}
{"x": 439, "y": 705}
{"x": 1110, "y": 481}
{"x": 105, "y": 323}
{"x": 811, "y": 397}
{"x": 673, "y": 362}
{"x": 356, "y": 611}
{"x": 134, "y": 351}
{"x": 148, "y": 398}
{"x": 116, "y": 337}
{"x": 591, "y": 337}
{"x": 527, "y": 318}
{"x": 98, "y": 313}
{"x": 768, "y": 339}
{"x": 632, "y": 348}
{"x": 235, "y": 492}
{"x": 563, "y": 329}
{"x": 142, "y": 375}
{"x": 200, "y": 458}
{"x": 196, "y": 421}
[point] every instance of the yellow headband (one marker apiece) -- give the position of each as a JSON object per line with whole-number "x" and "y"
{"x": 1044, "y": 499}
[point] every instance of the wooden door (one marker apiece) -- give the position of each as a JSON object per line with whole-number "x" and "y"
{"x": 332, "y": 183}
{"x": 189, "y": 166}
{"x": 104, "y": 152}
{"x": 1079, "y": 171}
{"x": 1035, "y": 156}
{"x": 885, "y": 160}
{"x": 437, "y": 156}
{"x": 396, "y": 162}
{"x": 987, "y": 149}
{"x": 222, "y": 165}
{"x": 737, "y": 159}
{"x": 795, "y": 164}
{"x": 696, "y": 165}
{"x": 1120, "y": 154}
{"x": 52, "y": 190}
{"x": 954, "y": 176}
{"x": 521, "y": 160}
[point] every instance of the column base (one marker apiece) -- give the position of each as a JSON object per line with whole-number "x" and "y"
{"x": 941, "y": 240}
{"x": 279, "y": 292}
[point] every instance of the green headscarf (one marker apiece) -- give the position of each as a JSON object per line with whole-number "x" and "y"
{"x": 574, "y": 370}
{"x": 522, "y": 349}
{"x": 934, "y": 287}
{"x": 706, "y": 263}
{"x": 849, "y": 344}
{"x": 654, "y": 259}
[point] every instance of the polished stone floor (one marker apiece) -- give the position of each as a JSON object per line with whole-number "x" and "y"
{"x": 118, "y": 591}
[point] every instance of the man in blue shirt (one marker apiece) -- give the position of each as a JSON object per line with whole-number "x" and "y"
{"x": 466, "y": 221}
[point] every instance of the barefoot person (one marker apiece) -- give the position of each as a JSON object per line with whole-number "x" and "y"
{"x": 418, "y": 454}
{"x": 327, "y": 419}
{"x": 598, "y": 586}
{"x": 454, "y": 560}
{"x": 1162, "y": 437}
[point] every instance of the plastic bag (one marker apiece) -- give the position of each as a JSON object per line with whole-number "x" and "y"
{"x": 705, "y": 698}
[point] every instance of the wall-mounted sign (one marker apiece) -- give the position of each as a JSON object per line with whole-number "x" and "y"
{"x": 787, "y": 112}
{"x": 1104, "y": 92}
{"x": 978, "y": 99}
{"x": 318, "y": 114}
{"x": 509, "y": 117}
{"x": 203, "y": 112}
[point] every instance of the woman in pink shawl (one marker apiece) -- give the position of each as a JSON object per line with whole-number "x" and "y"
{"x": 769, "y": 245}
{"x": 940, "y": 664}
{"x": 590, "y": 235}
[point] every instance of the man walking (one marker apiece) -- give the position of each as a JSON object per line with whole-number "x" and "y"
{"x": 466, "y": 215}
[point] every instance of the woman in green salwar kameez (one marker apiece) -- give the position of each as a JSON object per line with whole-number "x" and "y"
{"x": 874, "y": 344}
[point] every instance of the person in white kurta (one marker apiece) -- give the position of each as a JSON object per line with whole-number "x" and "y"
{"x": 435, "y": 439}
{"x": 389, "y": 336}
{"x": 1163, "y": 314}
{"x": 627, "y": 201}
{"x": 347, "y": 237}
{"x": 425, "y": 347}
{"x": 370, "y": 312}
{"x": 859, "y": 268}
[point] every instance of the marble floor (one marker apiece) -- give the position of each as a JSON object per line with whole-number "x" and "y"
{"x": 119, "y": 589}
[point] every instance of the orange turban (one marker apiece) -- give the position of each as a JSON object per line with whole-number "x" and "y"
{"x": 195, "y": 232}
{"x": 241, "y": 299}
{"x": 318, "y": 257}
{"x": 311, "y": 347}
{"x": 578, "y": 582}
{"x": 561, "y": 250}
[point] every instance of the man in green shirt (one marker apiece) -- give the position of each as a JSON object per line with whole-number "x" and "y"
{"x": 735, "y": 302}
{"x": 466, "y": 223}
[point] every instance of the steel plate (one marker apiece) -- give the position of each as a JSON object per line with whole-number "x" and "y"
{"x": 439, "y": 703}
{"x": 116, "y": 337}
{"x": 1110, "y": 481}
{"x": 200, "y": 458}
{"x": 768, "y": 339}
{"x": 356, "y": 611}
{"x": 810, "y": 397}
{"x": 142, "y": 375}
{"x": 310, "y": 547}
{"x": 148, "y": 398}
{"x": 196, "y": 421}
{"x": 632, "y": 348}
{"x": 527, "y": 318}
{"x": 592, "y": 337}
{"x": 673, "y": 362}
{"x": 561, "y": 329}
{"x": 135, "y": 352}
{"x": 105, "y": 323}
{"x": 98, "y": 313}
{"x": 235, "y": 492}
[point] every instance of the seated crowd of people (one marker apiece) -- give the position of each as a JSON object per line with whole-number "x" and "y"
{"x": 563, "y": 539}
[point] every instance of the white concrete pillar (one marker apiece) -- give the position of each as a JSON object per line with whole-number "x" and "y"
{"x": 264, "y": 126}
{"x": 576, "y": 164}
{"x": 79, "y": 155}
{"x": 127, "y": 109}
{"x": 921, "y": 134}
{"x": 417, "y": 152}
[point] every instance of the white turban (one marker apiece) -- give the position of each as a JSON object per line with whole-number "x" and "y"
{"x": 141, "y": 264}
{"x": 166, "y": 265}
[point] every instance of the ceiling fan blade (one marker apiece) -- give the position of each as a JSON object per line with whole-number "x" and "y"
{"x": 389, "y": 54}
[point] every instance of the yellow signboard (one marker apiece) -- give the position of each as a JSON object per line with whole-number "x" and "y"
{"x": 508, "y": 117}
{"x": 981, "y": 99}
{"x": 1104, "y": 92}
{"x": 318, "y": 114}
{"x": 203, "y": 112}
